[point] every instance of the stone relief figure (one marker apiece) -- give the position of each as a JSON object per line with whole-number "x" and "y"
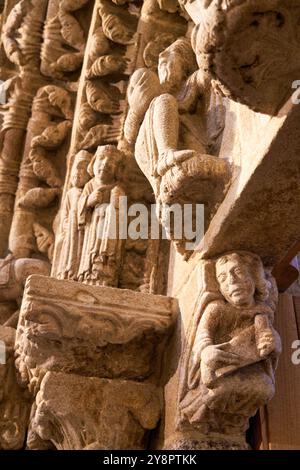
{"x": 97, "y": 213}
{"x": 155, "y": 103}
{"x": 167, "y": 123}
{"x": 232, "y": 348}
{"x": 72, "y": 234}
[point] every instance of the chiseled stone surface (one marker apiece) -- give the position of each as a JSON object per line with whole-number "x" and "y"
{"x": 91, "y": 331}
{"x": 15, "y": 402}
{"x": 166, "y": 101}
{"x": 79, "y": 413}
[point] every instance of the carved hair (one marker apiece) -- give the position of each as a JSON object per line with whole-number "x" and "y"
{"x": 105, "y": 151}
{"x": 183, "y": 50}
{"x": 256, "y": 268}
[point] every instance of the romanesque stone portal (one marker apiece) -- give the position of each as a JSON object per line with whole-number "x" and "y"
{"x": 119, "y": 331}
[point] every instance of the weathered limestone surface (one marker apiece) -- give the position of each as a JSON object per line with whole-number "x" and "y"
{"x": 154, "y": 101}
{"x": 79, "y": 413}
{"x": 97, "y": 352}
{"x": 15, "y": 402}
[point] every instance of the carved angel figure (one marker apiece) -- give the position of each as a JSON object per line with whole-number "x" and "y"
{"x": 233, "y": 348}
{"x": 71, "y": 236}
{"x": 162, "y": 118}
{"x": 97, "y": 213}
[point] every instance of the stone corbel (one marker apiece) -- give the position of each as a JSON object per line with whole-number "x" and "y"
{"x": 226, "y": 372}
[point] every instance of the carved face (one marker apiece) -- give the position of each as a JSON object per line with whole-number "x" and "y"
{"x": 105, "y": 169}
{"x": 80, "y": 175}
{"x": 44, "y": 238}
{"x": 169, "y": 70}
{"x": 236, "y": 282}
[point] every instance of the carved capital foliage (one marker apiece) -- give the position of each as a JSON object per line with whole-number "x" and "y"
{"x": 91, "y": 331}
{"x": 231, "y": 352}
{"x": 79, "y": 413}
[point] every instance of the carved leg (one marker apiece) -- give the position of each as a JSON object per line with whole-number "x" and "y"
{"x": 166, "y": 133}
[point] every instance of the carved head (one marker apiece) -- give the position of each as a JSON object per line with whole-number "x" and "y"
{"x": 105, "y": 164}
{"x": 176, "y": 63}
{"x": 80, "y": 175}
{"x": 242, "y": 279}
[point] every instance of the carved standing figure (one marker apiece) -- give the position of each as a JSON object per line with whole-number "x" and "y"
{"x": 232, "y": 349}
{"x": 98, "y": 214}
{"x": 71, "y": 236}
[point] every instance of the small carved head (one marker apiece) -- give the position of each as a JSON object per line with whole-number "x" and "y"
{"x": 176, "y": 63}
{"x": 105, "y": 164}
{"x": 241, "y": 278}
{"x": 80, "y": 175}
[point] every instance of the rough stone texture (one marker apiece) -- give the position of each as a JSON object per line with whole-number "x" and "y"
{"x": 15, "y": 402}
{"x": 249, "y": 47}
{"x": 99, "y": 332}
{"x": 79, "y": 413}
{"x": 228, "y": 365}
{"x": 159, "y": 101}
{"x": 265, "y": 188}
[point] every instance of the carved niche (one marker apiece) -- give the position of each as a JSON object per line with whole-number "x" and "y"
{"x": 227, "y": 369}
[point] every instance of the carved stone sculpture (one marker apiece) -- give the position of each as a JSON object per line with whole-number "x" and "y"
{"x": 13, "y": 275}
{"x": 97, "y": 351}
{"x": 250, "y": 48}
{"x": 172, "y": 102}
{"x": 98, "y": 214}
{"x": 22, "y": 33}
{"x": 232, "y": 347}
{"x": 14, "y": 401}
{"x": 90, "y": 331}
{"x": 63, "y": 420}
{"x": 42, "y": 167}
{"x": 72, "y": 233}
{"x": 64, "y": 40}
{"x": 171, "y": 141}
